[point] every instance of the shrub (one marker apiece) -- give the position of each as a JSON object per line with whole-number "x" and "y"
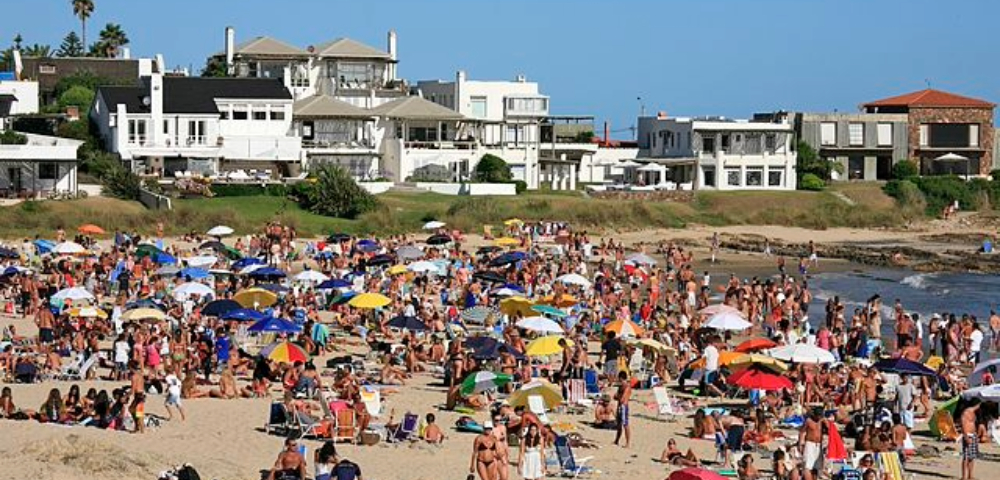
{"x": 119, "y": 182}
{"x": 520, "y": 186}
{"x": 431, "y": 173}
{"x": 904, "y": 169}
{"x": 249, "y": 190}
{"x": 336, "y": 194}
{"x": 492, "y": 169}
{"x": 97, "y": 163}
{"x": 10, "y": 137}
{"x": 78, "y": 96}
{"x": 811, "y": 182}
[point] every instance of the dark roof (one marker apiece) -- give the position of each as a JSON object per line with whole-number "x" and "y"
{"x": 931, "y": 98}
{"x": 195, "y": 94}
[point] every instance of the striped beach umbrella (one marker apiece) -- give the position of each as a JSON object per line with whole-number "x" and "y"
{"x": 624, "y": 328}
{"x": 483, "y": 381}
{"x": 285, "y": 352}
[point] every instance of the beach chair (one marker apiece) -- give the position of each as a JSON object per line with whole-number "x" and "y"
{"x": 72, "y": 369}
{"x": 590, "y": 379}
{"x": 570, "y": 466}
{"x": 576, "y": 393}
{"x": 277, "y": 419}
{"x": 664, "y": 404}
{"x": 372, "y": 398}
{"x": 406, "y": 430}
{"x": 84, "y": 370}
{"x": 536, "y": 405}
{"x": 307, "y": 428}
{"x": 345, "y": 427}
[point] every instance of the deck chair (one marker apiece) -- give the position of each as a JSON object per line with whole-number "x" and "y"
{"x": 345, "y": 426}
{"x": 576, "y": 392}
{"x": 570, "y": 466}
{"x": 72, "y": 369}
{"x": 308, "y": 429}
{"x": 536, "y": 404}
{"x": 88, "y": 365}
{"x": 277, "y": 419}
{"x": 406, "y": 429}
{"x": 372, "y": 398}
{"x": 591, "y": 382}
{"x": 664, "y": 404}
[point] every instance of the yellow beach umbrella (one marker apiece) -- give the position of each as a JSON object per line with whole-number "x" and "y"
{"x": 513, "y": 221}
{"x": 725, "y": 358}
{"x": 144, "y": 314}
{"x": 545, "y": 346}
{"x": 653, "y": 344}
{"x": 369, "y": 301}
{"x": 624, "y": 328}
{"x": 562, "y": 301}
{"x": 750, "y": 359}
{"x": 516, "y": 305}
{"x": 397, "y": 269}
{"x": 506, "y": 242}
{"x": 255, "y": 297}
{"x": 550, "y": 394}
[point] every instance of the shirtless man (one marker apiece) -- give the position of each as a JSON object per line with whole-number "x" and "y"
{"x": 290, "y": 465}
{"x": 970, "y": 440}
{"x": 810, "y": 441}
{"x": 622, "y": 396}
{"x": 45, "y": 321}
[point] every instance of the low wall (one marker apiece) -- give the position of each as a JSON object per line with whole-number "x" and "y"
{"x": 474, "y": 189}
{"x": 154, "y": 201}
{"x": 376, "y": 188}
{"x": 654, "y": 196}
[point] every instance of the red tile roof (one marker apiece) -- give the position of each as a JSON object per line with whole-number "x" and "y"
{"x": 931, "y": 98}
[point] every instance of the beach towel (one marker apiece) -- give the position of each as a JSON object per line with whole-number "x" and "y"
{"x": 890, "y": 465}
{"x": 467, "y": 424}
{"x": 835, "y": 449}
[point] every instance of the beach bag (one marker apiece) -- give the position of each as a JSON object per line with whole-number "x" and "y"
{"x": 187, "y": 472}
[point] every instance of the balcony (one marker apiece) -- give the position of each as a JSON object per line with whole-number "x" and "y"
{"x": 528, "y": 106}
{"x": 442, "y": 145}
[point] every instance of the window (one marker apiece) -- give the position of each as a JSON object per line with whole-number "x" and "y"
{"x": 196, "y": 132}
{"x": 973, "y": 135}
{"x": 300, "y": 75}
{"x": 755, "y": 177}
{"x": 136, "y": 131}
{"x": 166, "y": 127}
{"x": 478, "y": 105}
{"x": 774, "y": 178}
{"x": 828, "y": 133}
{"x": 48, "y": 171}
{"x": 725, "y": 142}
{"x": 47, "y": 69}
{"x": 277, "y": 114}
{"x": 528, "y": 105}
{"x": 924, "y": 135}
{"x": 953, "y": 135}
{"x": 855, "y": 167}
{"x": 260, "y": 114}
{"x": 239, "y": 114}
{"x": 884, "y": 134}
{"x": 733, "y": 177}
{"x": 856, "y": 134}
{"x": 307, "y": 129}
{"x": 356, "y": 76}
{"x": 770, "y": 142}
{"x": 708, "y": 144}
{"x": 709, "y": 176}
{"x": 224, "y": 114}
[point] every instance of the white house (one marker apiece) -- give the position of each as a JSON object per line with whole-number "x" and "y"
{"x": 201, "y": 125}
{"x": 719, "y": 153}
{"x": 17, "y": 97}
{"x": 44, "y": 164}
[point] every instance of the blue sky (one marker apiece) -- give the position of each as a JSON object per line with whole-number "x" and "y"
{"x": 706, "y": 57}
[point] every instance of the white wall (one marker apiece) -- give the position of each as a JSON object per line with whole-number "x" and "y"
{"x": 474, "y": 189}
{"x": 376, "y": 188}
{"x": 26, "y": 93}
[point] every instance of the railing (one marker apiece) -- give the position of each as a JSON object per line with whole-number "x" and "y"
{"x": 443, "y": 145}
{"x": 137, "y": 140}
{"x": 363, "y": 144}
{"x": 196, "y": 139}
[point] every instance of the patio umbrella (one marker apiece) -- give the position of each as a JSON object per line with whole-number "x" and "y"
{"x": 334, "y": 283}
{"x": 550, "y": 394}
{"x": 506, "y": 242}
{"x": 412, "y": 324}
{"x": 73, "y": 294}
{"x": 640, "y": 259}
{"x": 507, "y": 259}
{"x": 692, "y": 473}
{"x": 433, "y": 225}
{"x": 378, "y": 260}
{"x": 310, "y": 276}
{"x": 338, "y": 238}
{"x": 275, "y": 325}
{"x": 212, "y": 245}
{"x": 189, "y": 289}
{"x": 285, "y": 352}
{"x": 802, "y": 353}
{"x": 267, "y": 273}
{"x": 243, "y": 315}
{"x": 246, "y": 262}
{"x": 218, "y": 307}
{"x": 219, "y": 231}
{"x": 755, "y": 345}
{"x": 748, "y": 360}
{"x": 409, "y": 252}
{"x": 489, "y": 276}
{"x": 252, "y": 297}
{"x": 624, "y": 328}
{"x": 194, "y": 273}
{"x": 482, "y": 381}
{"x": 144, "y": 314}
{"x": 540, "y": 325}
{"x": 90, "y": 229}
{"x": 757, "y": 378}
{"x": 549, "y": 310}
{"x": 438, "y": 240}
{"x": 516, "y": 305}
{"x": 728, "y": 321}
{"x": 69, "y": 248}
{"x": 574, "y": 279}
{"x": 478, "y": 314}
{"x": 903, "y": 366}
{"x": 369, "y": 301}
{"x": 201, "y": 261}
{"x": 422, "y": 267}
{"x": 545, "y": 346}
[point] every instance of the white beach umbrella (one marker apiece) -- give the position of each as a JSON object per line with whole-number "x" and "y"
{"x": 802, "y": 353}
{"x": 220, "y": 231}
{"x": 201, "y": 261}
{"x": 728, "y": 321}
{"x": 434, "y": 225}
{"x": 574, "y": 279}
{"x": 423, "y": 267}
{"x": 719, "y": 308}
{"x": 506, "y": 292}
{"x": 75, "y": 293}
{"x": 989, "y": 393}
{"x": 192, "y": 288}
{"x": 252, "y": 268}
{"x": 540, "y": 324}
{"x": 68, "y": 248}
{"x": 310, "y": 276}
{"x": 640, "y": 259}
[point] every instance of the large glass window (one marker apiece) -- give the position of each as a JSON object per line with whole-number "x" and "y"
{"x": 828, "y": 133}
{"x": 885, "y": 134}
{"x": 774, "y": 178}
{"x": 48, "y": 171}
{"x": 755, "y": 177}
{"x": 953, "y": 135}
{"x": 733, "y": 177}
{"x": 136, "y": 131}
{"x": 357, "y": 75}
{"x": 478, "y": 105}
{"x": 708, "y": 144}
{"x": 528, "y": 105}
{"x": 856, "y": 133}
{"x": 196, "y": 132}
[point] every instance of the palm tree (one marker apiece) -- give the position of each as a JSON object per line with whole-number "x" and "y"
{"x": 82, "y": 9}
{"x": 37, "y": 50}
{"x": 112, "y": 38}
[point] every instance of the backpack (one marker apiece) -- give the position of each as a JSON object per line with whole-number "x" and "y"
{"x": 187, "y": 472}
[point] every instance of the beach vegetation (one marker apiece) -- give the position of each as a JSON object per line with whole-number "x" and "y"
{"x": 492, "y": 169}
{"x": 811, "y": 182}
{"x": 904, "y": 169}
{"x": 10, "y": 137}
{"x": 334, "y": 193}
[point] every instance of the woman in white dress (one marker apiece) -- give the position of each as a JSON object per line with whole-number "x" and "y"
{"x": 532, "y": 459}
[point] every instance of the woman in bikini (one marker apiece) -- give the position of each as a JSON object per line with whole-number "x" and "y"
{"x": 484, "y": 454}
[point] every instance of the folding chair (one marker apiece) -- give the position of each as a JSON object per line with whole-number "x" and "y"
{"x": 570, "y": 466}
{"x": 664, "y": 405}
{"x": 277, "y": 420}
{"x": 591, "y": 381}
{"x": 536, "y": 405}
{"x": 71, "y": 370}
{"x": 405, "y": 430}
{"x": 372, "y": 398}
{"x": 345, "y": 427}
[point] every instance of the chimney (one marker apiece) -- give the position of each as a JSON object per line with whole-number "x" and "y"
{"x": 126, "y": 53}
{"x": 18, "y": 65}
{"x": 230, "y": 49}
{"x": 521, "y": 78}
{"x": 391, "y": 47}
{"x": 156, "y": 107}
{"x": 607, "y": 133}
{"x": 161, "y": 66}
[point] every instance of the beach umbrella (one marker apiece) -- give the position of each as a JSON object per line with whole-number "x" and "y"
{"x": 369, "y": 301}
{"x": 488, "y": 348}
{"x": 247, "y": 270}
{"x": 201, "y": 261}
{"x": 274, "y": 288}
{"x": 90, "y": 229}
{"x": 507, "y": 259}
{"x": 212, "y": 245}
{"x": 338, "y": 238}
{"x": 310, "y": 276}
{"x": 253, "y": 297}
{"x": 397, "y": 270}
{"x": 624, "y": 328}
{"x": 409, "y": 252}
{"x": 513, "y": 221}
{"x": 942, "y": 422}
{"x": 433, "y": 225}
{"x": 755, "y": 345}
{"x": 334, "y": 283}
{"x": 285, "y": 352}
{"x": 758, "y": 360}
{"x": 73, "y": 294}
{"x": 412, "y": 324}
{"x": 903, "y": 366}
{"x": 231, "y": 253}
{"x": 243, "y": 315}
{"x": 139, "y": 314}
{"x": 366, "y": 245}
{"x": 478, "y": 314}
{"x": 422, "y": 267}
{"x": 194, "y": 273}
{"x": 482, "y": 381}
{"x": 986, "y": 393}
{"x": 15, "y": 270}
{"x": 274, "y": 325}
{"x": 44, "y": 246}
{"x": 439, "y": 239}
{"x": 516, "y": 305}
{"x": 218, "y": 307}
{"x": 719, "y": 308}
{"x": 9, "y": 253}
{"x": 693, "y": 473}
{"x": 562, "y": 301}
{"x": 551, "y": 394}
{"x": 88, "y": 312}
{"x": 506, "y": 292}
{"x": 189, "y": 289}
{"x": 69, "y": 248}
{"x": 549, "y": 310}
{"x": 653, "y": 344}
{"x": 219, "y": 231}
{"x": 802, "y": 353}
{"x": 540, "y": 325}
{"x": 640, "y": 259}
{"x": 976, "y": 377}
{"x": 168, "y": 270}
{"x": 379, "y": 260}
{"x": 726, "y": 357}
{"x": 145, "y": 303}
{"x": 728, "y": 321}
{"x": 488, "y": 249}
{"x": 267, "y": 273}
{"x": 147, "y": 250}
{"x": 489, "y": 276}
{"x": 545, "y": 346}
{"x": 246, "y": 262}
{"x": 756, "y": 378}
{"x": 574, "y": 279}
{"x": 506, "y": 242}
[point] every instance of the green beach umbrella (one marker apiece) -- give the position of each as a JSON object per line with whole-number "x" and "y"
{"x": 483, "y": 381}
{"x": 549, "y": 310}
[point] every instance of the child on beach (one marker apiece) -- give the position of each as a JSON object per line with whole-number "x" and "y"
{"x": 138, "y": 411}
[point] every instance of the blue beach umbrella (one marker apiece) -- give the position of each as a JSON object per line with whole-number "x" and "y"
{"x": 275, "y": 325}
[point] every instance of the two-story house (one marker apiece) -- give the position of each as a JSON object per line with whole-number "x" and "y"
{"x": 204, "y": 125}
{"x": 865, "y": 145}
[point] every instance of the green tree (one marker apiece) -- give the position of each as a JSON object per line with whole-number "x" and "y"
{"x": 214, "y": 67}
{"x": 78, "y": 96}
{"x": 492, "y": 169}
{"x": 82, "y": 9}
{"x": 10, "y": 137}
{"x": 811, "y": 182}
{"x": 335, "y": 194}
{"x": 37, "y": 50}
{"x": 83, "y": 78}
{"x": 904, "y": 169}
{"x": 119, "y": 182}
{"x": 112, "y": 38}
{"x": 71, "y": 46}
